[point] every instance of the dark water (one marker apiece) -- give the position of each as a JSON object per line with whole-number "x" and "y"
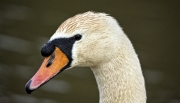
{"x": 25, "y": 25}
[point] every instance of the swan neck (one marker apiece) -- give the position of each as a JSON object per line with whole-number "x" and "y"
{"x": 120, "y": 80}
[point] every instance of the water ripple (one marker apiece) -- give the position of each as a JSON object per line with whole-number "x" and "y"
{"x": 15, "y": 44}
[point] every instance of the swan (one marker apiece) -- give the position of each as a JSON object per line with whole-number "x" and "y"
{"x": 95, "y": 40}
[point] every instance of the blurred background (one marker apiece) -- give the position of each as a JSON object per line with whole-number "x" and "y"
{"x": 25, "y": 25}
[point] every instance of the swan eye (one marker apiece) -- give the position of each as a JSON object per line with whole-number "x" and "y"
{"x": 77, "y": 37}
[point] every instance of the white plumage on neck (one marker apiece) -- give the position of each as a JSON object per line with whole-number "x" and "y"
{"x": 120, "y": 80}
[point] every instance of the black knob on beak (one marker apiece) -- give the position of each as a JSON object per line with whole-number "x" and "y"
{"x": 47, "y": 49}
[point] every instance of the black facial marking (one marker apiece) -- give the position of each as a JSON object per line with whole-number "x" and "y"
{"x": 65, "y": 44}
{"x": 50, "y": 59}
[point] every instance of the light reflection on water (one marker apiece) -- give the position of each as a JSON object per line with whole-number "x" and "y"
{"x": 58, "y": 86}
{"x": 26, "y": 25}
{"x": 29, "y": 99}
{"x": 15, "y": 44}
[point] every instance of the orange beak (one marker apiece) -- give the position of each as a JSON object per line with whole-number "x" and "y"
{"x": 51, "y": 66}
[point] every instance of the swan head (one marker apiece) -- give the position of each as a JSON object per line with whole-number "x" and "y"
{"x": 85, "y": 40}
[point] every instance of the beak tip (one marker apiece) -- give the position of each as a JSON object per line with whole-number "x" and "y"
{"x": 27, "y": 87}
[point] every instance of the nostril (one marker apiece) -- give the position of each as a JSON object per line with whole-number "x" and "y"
{"x": 47, "y": 49}
{"x": 51, "y": 59}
